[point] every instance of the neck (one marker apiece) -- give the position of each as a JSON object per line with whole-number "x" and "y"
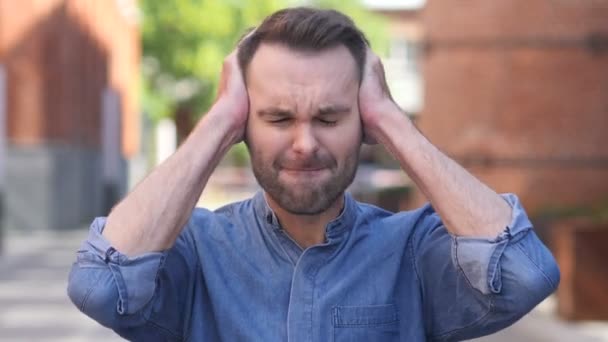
{"x": 306, "y": 230}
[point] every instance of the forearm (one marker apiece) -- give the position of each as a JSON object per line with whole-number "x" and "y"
{"x": 466, "y": 205}
{"x": 151, "y": 217}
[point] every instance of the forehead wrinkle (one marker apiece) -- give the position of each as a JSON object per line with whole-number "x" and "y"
{"x": 274, "y": 82}
{"x": 306, "y": 104}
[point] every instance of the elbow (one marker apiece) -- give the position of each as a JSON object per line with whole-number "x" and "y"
{"x": 94, "y": 293}
{"x": 530, "y": 274}
{"x": 77, "y": 290}
{"x": 534, "y": 288}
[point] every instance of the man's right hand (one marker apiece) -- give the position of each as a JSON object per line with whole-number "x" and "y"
{"x": 152, "y": 216}
{"x": 232, "y": 100}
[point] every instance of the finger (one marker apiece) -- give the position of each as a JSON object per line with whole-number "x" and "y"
{"x": 376, "y": 70}
{"x": 370, "y": 59}
{"x": 227, "y": 67}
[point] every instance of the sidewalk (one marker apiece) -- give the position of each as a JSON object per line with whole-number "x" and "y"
{"x": 33, "y": 302}
{"x": 34, "y": 305}
{"x": 541, "y": 325}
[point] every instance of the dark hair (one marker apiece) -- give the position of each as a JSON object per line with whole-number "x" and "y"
{"x": 308, "y": 29}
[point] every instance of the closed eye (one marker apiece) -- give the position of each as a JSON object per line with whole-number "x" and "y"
{"x": 326, "y": 122}
{"x": 279, "y": 121}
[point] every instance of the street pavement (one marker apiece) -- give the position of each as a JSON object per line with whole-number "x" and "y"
{"x": 33, "y": 302}
{"x": 34, "y": 306}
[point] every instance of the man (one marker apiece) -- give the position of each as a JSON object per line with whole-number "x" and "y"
{"x": 302, "y": 260}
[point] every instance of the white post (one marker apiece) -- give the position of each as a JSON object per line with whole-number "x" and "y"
{"x": 166, "y": 140}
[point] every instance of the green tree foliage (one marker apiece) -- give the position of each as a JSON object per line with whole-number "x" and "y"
{"x": 184, "y": 44}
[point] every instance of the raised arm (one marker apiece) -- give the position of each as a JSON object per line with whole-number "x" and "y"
{"x": 467, "y": 206}
{"x": 479, "y": 263}
{"x": 151, "y": 217}
{"x": 139, "y": 266}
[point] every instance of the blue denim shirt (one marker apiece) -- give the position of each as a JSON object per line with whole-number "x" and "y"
{"x": 235, "y": 275}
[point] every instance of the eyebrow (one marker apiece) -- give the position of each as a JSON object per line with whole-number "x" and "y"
{"x": 274, "y": 111}
{"x": 323, "y": 110}
{"x": 334, "y": 109}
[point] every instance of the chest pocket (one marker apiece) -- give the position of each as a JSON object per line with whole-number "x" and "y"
{"x": 366, "y": 323}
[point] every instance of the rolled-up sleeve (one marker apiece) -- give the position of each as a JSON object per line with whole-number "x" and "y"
{"x": 475, "y": 286}
{"x": 116, "y": 290}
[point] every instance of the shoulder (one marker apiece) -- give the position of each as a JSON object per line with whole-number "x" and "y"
{"x": 225, "y": 223}
{"x": 424, "y": 216}
{"x": 236, "y": 210}
{"x": 413, "y": 227}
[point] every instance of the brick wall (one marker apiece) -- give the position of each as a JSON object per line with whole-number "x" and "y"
{"x": 60, "y": 55}
{"x": 516, "y": 91}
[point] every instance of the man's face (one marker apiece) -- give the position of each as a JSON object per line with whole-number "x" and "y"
{"x": 304, "y": 130}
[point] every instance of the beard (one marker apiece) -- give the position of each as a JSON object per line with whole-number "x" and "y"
{"x": 310, "y": 196}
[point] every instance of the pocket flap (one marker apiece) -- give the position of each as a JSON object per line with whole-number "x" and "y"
{"x": 365, "y": 315}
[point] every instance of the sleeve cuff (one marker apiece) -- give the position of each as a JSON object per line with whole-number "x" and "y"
{"x": 135, "y": 277}
{"x": 479, "y": 258}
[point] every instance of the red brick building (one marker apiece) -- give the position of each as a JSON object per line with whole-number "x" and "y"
{"x": 71, "y": 71}
{"x": 517, "y": 92}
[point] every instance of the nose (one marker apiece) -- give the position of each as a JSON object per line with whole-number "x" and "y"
{"x": 304, "y": 140}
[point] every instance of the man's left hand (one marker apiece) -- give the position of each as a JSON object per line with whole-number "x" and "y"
{"x": 375, "y": 100}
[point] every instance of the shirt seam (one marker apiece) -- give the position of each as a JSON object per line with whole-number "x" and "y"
{"x": 86, "y": 297}
{"x": 312, "y": 306}
{"x": 291, "y": 291}
{"x": 291, "y": 261}
{"x": 197, "y": 267}
{"x": 188, "y": 335}
{"x": 413, "y": 258}
{"x": 314, "y": 286}
{"x": 363, "y": 325}
{"x": 160, "y": 327}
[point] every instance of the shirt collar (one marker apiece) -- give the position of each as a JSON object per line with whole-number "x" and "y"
{"x": 334, "y": 228}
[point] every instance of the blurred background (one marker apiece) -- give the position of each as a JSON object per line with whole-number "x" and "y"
{"x": 95, "y": 93}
